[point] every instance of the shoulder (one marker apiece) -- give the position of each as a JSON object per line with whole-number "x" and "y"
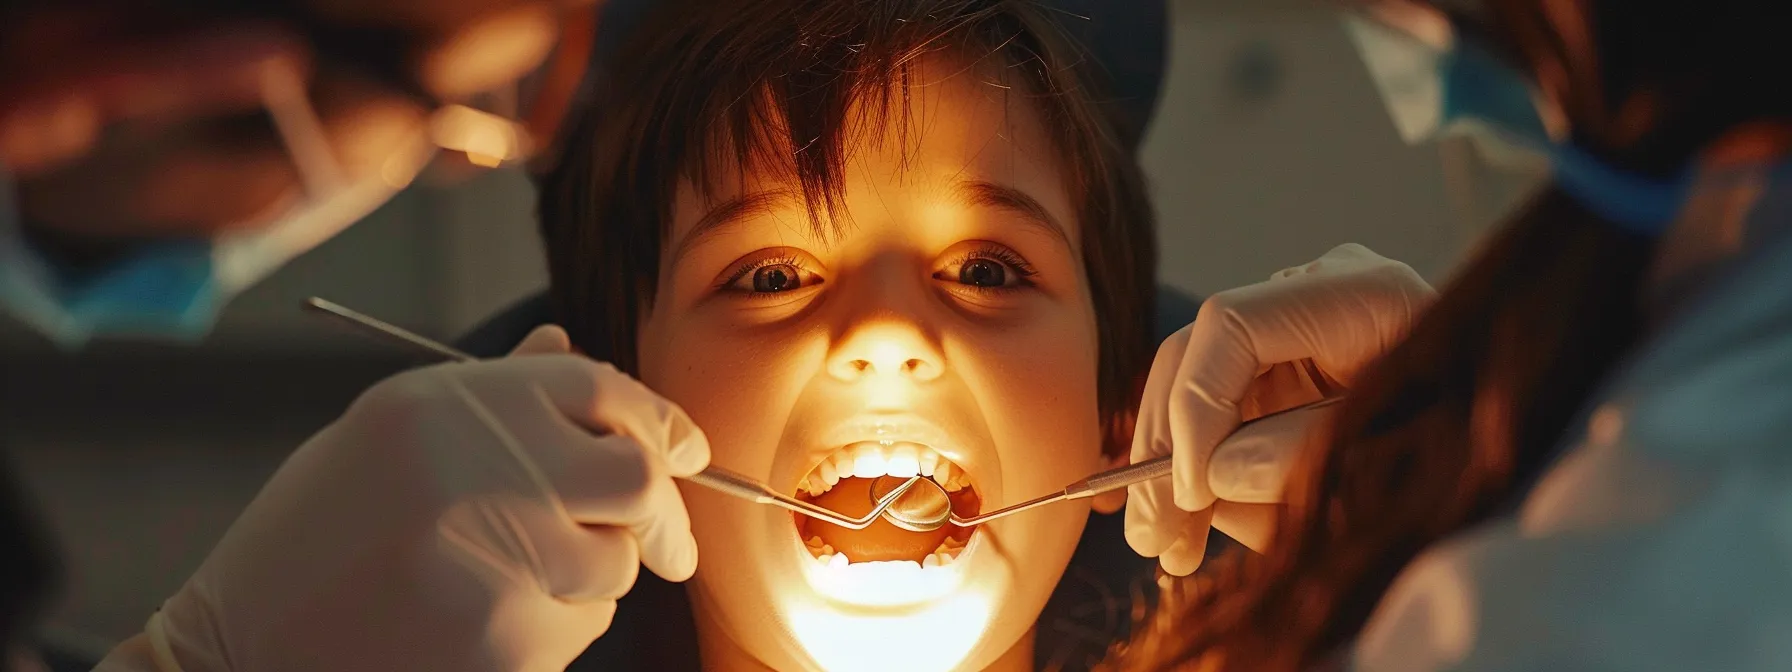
{"x": 1694, "y": 579}
{"x": 1660, "y": 538}
{"x": 1715, "y": 383}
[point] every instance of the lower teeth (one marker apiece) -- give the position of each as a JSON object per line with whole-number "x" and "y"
{"x": 825, "y": 554}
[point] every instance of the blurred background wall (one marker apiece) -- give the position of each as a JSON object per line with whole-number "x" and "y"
{"x": 1270, "y": 148}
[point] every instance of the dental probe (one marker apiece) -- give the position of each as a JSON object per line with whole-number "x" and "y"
{"x": 715, "y": 478}
{"x": 1113, "y": 479}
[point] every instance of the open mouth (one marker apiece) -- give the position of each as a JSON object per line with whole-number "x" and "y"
{"x": 843, "y": 481}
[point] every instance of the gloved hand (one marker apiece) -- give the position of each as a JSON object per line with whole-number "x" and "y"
{"x": 481, "y": 516}
{"x": 1251, "y": 351}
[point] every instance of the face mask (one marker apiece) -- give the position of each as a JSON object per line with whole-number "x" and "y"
{"x": 1435, "y": 84}
{"x": 173, "y": 290}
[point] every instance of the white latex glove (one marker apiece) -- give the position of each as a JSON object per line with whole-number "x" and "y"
{"x": 1248, "y": 353}
{"x": 481, "y": 516}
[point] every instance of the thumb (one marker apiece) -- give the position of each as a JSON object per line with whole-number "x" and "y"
{"x": 547, "y": 339}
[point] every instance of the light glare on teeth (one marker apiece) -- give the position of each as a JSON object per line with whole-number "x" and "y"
{"x": 871, "y": 460}
{"x": 944, "y": 554}
{"x": 868, "y": 461}
{"x": 904, "y": 461}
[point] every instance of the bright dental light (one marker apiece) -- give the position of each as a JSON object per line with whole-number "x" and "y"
{"x": 935, "y": 638}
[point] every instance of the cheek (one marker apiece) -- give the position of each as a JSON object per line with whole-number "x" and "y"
{"x": 1038, "y": 390}
{"x": 737, "y": 385}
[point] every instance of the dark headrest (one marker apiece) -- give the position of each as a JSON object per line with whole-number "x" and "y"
{"x": 1128, "y": 40}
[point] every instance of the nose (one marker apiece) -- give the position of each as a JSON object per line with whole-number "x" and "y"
{"x": 886, "y": 350}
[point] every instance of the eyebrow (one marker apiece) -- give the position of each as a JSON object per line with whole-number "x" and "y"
{"x": 730, "y": 213}
{"x": 1003, "y": 197}
{"x": 975, "y": 193}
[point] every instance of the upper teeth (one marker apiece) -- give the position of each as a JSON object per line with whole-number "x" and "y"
{"x": 871, "y": 459}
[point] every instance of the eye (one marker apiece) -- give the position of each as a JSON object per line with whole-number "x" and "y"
{"x": 983, "y": 273}
{"x": 778, "y": 272}
{"x": 988, "y": 267}
{"x": 778, "y": 278}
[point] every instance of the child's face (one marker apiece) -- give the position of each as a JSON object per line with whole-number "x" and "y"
{"x": 948, "y": 328}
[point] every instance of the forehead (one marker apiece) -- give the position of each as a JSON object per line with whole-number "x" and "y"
{"x": 951, "y": 122}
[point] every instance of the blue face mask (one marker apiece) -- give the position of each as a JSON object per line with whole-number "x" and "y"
{"x": 173, "y": 290}
{"x": 1437, "y": 84}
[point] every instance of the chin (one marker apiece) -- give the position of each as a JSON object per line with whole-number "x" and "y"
{"x": 810, "y": 595}
{"x": 885, "y": 598}
{"x": 898, "y": 615}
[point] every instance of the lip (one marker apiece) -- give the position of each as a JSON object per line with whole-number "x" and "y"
{"x": 868, "y": 596}
{"x": 969, "y": 452}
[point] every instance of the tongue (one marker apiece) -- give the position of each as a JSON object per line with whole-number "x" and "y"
{"x": 879, "y": 541}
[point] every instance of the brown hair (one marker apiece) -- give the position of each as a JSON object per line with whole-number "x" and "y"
{"x": 762, "y": 81}
{"x": 1455, "y": 422}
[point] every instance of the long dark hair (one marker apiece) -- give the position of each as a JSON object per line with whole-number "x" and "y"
{"x": 1453, "y": 423}
{"x": 757, "y": 82}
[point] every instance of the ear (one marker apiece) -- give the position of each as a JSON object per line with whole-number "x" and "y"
{"x": 1111, "y": 501}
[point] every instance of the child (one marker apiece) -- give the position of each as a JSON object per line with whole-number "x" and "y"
{"x": 856, "y": 238}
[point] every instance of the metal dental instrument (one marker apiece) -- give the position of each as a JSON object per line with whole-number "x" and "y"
{"x": 1112, "y": 479}
{"x": 715, "y": 478}
{"x": 925, "y": 508}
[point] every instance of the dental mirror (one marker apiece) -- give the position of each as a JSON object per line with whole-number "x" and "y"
{"x": 923, "y": 508}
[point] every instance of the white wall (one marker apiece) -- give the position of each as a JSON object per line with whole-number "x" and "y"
{"x": 1254, "y": 174}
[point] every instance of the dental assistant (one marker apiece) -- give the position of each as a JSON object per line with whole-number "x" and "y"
{"x": 135, "y": 201}
{"x": 1571, "y": 459}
